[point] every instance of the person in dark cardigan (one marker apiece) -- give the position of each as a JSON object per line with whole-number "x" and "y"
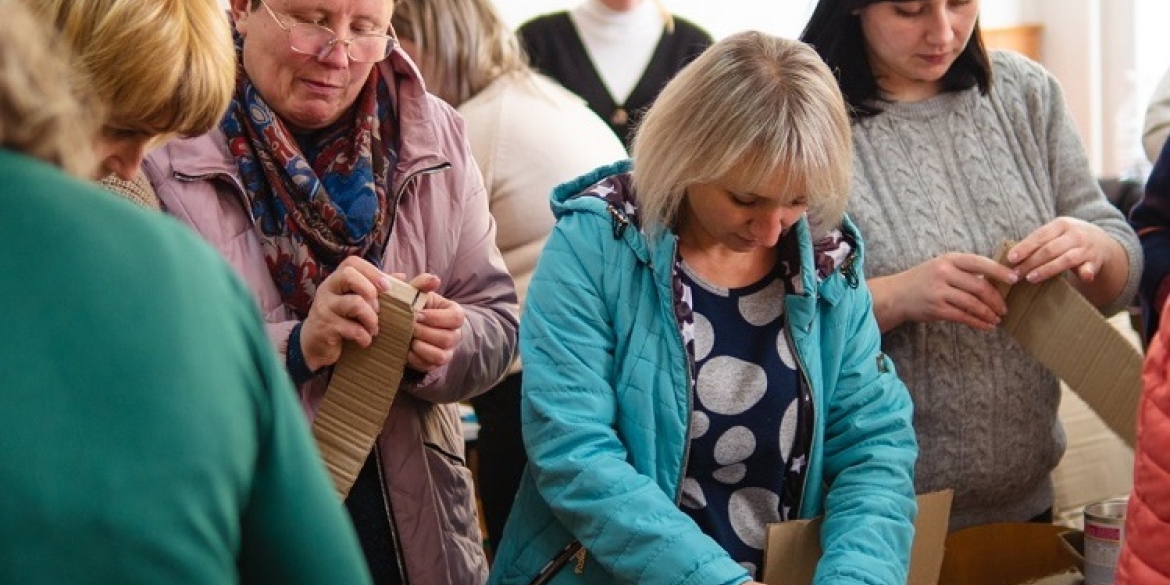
{"x": 616, "y": 54}
{"x": 1150, "y": 218}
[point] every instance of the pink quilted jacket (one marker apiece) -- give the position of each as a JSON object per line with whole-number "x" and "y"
{"x": 443, "y": 227}
{"x": 1145, "y": 556}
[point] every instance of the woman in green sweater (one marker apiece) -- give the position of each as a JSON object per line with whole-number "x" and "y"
{"x": 957, "y": 151}
{"x": 150, "y": 434}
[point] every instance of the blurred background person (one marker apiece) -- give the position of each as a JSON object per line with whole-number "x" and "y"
{"x": 161, "y": 68}
{"x": 1150, "y": 217}
{"x": 528, "y": 134}
{"x": 1156, "y": 124}
{"x": 151, "y": 435}
{"x": 957, "y": 151}
{"x": 616, "y": 54}
{"x": 331, "y": 169}
{"x": 700, "y": 356}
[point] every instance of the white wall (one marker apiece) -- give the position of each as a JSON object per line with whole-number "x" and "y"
{"x": 1108, "y": 55}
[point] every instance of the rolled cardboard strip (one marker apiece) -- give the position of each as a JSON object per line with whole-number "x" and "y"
{"x": 363, "y": 386}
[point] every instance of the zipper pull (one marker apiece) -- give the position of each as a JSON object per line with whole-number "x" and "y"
{"x": 580, "y": 568}
{"x": 848, "y": 271}
{"x": 619, "y": 222}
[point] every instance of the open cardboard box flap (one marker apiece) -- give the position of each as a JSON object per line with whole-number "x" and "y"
{"x": 993, "y": 554}
{"x": 793, "y": 548}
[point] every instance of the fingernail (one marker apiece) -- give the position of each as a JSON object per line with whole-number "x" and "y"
{"x": 1013, "y": 257}
{"x": 1013, "y": 278}
{"x": 1033, "y": 276}
{"x": 419, "y": 317}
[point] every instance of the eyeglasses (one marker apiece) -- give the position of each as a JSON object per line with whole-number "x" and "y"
{"x": 316, "y": 40}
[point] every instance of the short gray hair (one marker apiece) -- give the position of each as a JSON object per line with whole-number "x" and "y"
{"x": 750, "y": 106}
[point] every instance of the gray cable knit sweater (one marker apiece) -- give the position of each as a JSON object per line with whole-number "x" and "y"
{"x": 964, "y": 172}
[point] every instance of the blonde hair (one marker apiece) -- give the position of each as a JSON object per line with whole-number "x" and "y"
{"x": 42, "y": 113}
{"x": 749, "y": 107}
{"x": 466, "y": 45}
{"x": 168, "y": 66}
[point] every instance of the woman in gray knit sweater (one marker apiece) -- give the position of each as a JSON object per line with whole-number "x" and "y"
{"x": 949, "y": 165}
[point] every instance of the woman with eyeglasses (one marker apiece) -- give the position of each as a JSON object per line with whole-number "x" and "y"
{"x": 331, "y": 169}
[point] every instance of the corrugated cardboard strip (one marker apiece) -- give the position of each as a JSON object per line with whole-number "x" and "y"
{"x": 363, "y": 386}
{"x": 1066, "y": 333}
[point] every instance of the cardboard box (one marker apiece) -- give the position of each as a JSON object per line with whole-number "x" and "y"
{"x": 992, "y": 554}
{"x": 793, "y": 548}
{"x": 1063, "y": 331}
{"x": 1012, "y": 554}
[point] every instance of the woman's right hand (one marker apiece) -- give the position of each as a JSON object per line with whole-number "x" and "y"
{"x": 344, "y": 307}
{"x": 953, "y": 287}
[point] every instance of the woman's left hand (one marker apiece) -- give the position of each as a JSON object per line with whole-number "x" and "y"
{"x": 1099, "y": 262}
{"x": 438, "y": 328}
{"x": 1064, "y": 243}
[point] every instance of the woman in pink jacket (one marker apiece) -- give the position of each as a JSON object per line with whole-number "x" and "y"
{"x": 1143, "y": 558}
{"x": 331, "y": 169}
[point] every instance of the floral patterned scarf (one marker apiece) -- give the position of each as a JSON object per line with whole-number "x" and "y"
{"x": 316, "y": 207}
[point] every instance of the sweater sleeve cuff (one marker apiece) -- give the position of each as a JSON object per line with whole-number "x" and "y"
{"x": 294, "y": 358}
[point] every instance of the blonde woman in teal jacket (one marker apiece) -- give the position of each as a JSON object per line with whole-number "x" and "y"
{"x": 696, "y": 366}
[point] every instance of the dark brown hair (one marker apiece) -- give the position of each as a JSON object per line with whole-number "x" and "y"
{"x": 834, "y": 30}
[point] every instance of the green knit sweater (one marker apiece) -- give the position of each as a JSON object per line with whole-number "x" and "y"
{"x": 150, "y": 434}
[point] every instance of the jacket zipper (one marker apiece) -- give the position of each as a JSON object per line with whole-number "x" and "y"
{"x": 377, "y": 451}
{"x": 407, "y": 181}
{"x": 390, "y": 516}
{"x": 848, "y": 270}
{"x": 688, "y": 367}
{"x": 815, "y": 413}
{"x": 620, "y": 221}
{"x": 555, "y": 564}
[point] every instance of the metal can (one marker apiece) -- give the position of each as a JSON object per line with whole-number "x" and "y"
{"x": 1104, "y": 533}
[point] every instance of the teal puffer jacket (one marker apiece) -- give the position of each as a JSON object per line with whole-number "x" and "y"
{"x": 607, "y": 406}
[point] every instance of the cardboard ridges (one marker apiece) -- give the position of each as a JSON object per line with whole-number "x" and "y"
{"x": 1063, "y": 331}
{"x": 363, "y": 386}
